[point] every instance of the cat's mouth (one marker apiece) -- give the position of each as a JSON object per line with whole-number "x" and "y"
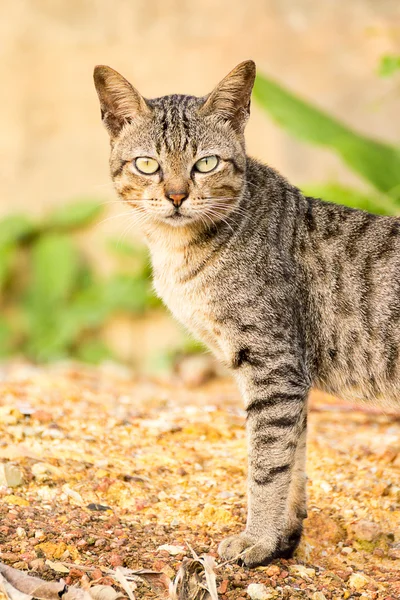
{"x": 177, "y": 216}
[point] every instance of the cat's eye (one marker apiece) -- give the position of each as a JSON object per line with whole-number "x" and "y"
{"x": 206, "y": 164}
{"x": 146, "y": 165}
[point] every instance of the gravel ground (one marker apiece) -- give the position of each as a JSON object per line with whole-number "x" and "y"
{"x": 111, "y": 470}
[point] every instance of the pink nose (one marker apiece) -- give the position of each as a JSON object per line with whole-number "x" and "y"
{"x": 177, "y": 199}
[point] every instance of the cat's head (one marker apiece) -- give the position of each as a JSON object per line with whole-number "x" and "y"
{"x": 178, "y": 160}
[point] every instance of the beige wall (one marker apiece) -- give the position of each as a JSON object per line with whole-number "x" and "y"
{"x": 52, "y": 145}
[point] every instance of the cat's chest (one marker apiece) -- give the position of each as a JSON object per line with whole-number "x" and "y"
{"x": 187, "y": 300}
{"x": 189, "y": 297}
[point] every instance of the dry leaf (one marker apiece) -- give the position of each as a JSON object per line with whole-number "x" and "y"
{"x": 57, "y": 566}
{"x": 157, "y": 580}
{"x": 19, "y": 585}
{"x": 195, "y": 580}
{"x": 120, "y": 577}
{"x": 104, "y": 592}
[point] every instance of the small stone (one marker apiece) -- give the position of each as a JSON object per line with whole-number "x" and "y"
{"x": 394, "y": 554}
{"x": 21, "y": 533}
{"x": 96, "y": 574}
{"x": 302, "y": 571}
{"x": 283, "y": 574}
{"x": 366, "y": 531}
{"x": 42, "y": 416}
{"x": 223, "y": 587}
{"x": 272, "y": 570}
{"x": 16, "y": 501}
{"x": 39, "y": 534}
{"x": 226, "y": 494}
{"x": 10, "y": 415}
{"x": 258, "y": 591}
{"x": 43, "y": 471}
{"x": 318, "y": 596}
{"x": 358, "y": 581}
{"x": 21, "y": 565}
{"x": 172, "y": 550}
{"x": 10, "y": 475}
{"x": 37, "y": 564}
{"x": 116, "y": 560}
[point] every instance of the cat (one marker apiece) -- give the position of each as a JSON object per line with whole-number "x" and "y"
{"x": 288, "y": 291}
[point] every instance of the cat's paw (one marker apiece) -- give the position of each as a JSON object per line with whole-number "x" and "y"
{"x": 248, "y": 551}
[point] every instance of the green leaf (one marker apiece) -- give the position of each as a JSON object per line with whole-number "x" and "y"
{"x": 74, "y": 215}
{"x": 6, "y": 338}
{"x": 377, "y": 162}
{"x": 389, "y": 65}
{"x": 55, "y": 269}
{"x": 340, "y": 194}
{"x": 127, "y": 293}
{"x": 93, "y": 351}
{"x": 137, "y": 253}
{"x": 15, "y": 228}
{"x": 8, "y": 255}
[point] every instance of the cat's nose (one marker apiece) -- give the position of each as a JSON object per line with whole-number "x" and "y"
{"x": 177, "y": 197}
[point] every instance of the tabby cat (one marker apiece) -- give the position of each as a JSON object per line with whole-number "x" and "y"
{"x": 288, "y": 291}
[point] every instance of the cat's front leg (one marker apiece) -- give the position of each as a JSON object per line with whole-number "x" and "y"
{"x": 276, "y": 429}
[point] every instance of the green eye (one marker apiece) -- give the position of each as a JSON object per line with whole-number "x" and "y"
{"x": 206, "y": 164}
{"x": 147, "y": 165}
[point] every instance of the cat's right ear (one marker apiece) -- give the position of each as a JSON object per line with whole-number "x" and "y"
{"x": 120, "y": 102}
{"x": 230, "y": 100}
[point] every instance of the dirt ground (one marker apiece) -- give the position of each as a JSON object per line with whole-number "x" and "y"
{"x": 113, "y": 468}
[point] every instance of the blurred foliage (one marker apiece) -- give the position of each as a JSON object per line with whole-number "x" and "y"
{"x": 389, "y": 64}
{"x": 377, "y": 162}
{"x": 53, "y": 303}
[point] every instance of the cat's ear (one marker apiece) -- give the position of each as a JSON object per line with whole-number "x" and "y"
{"x": 120, "y": 102}
{"x": 231, "y": 98}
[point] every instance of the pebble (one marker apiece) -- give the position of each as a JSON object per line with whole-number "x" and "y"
{"x": 272, "y": 570}
{"x": 21, "y": 533}
{"x": 366, "y": 531}
{"x": 258, "y": 591}
{"x": 37, "y": 564}
{"x": 42, "y": 416}
{"x": 116, "y": 560}
{"x": 226, "y": 494}
{"x": 358, "y": 581}
{"x": 318, "y": 596}
{"x": 172, "y": 550}
{"x": 39, "y": 534}
{"x": 302, "y": 571}
{"x": 10, "y": 475}
{"x": 42, "y": 471}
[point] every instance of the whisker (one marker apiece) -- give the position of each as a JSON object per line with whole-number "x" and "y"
{"x": 114, "y": 217}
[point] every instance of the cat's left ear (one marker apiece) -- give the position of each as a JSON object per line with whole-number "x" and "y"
{"x": 231, "y": 98}
{"x": 120, "y": 102}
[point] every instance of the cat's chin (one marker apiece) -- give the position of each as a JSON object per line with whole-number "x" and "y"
{"x": 178, "y": 220}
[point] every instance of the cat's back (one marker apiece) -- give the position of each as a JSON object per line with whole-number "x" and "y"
{"x": 352, "y": 261}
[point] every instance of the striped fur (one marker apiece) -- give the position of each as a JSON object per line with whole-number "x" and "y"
{"x": 288, "y": 291}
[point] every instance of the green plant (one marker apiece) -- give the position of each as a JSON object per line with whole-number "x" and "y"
{"x": 377, "y": 162}
{"x": 389, "y": 64}
{"x": 53, "y": 303}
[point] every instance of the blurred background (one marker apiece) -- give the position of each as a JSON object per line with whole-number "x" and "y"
{"x": 74, "y": 280}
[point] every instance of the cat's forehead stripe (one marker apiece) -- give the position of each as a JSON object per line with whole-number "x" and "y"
{"x": 173, "y": 114}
